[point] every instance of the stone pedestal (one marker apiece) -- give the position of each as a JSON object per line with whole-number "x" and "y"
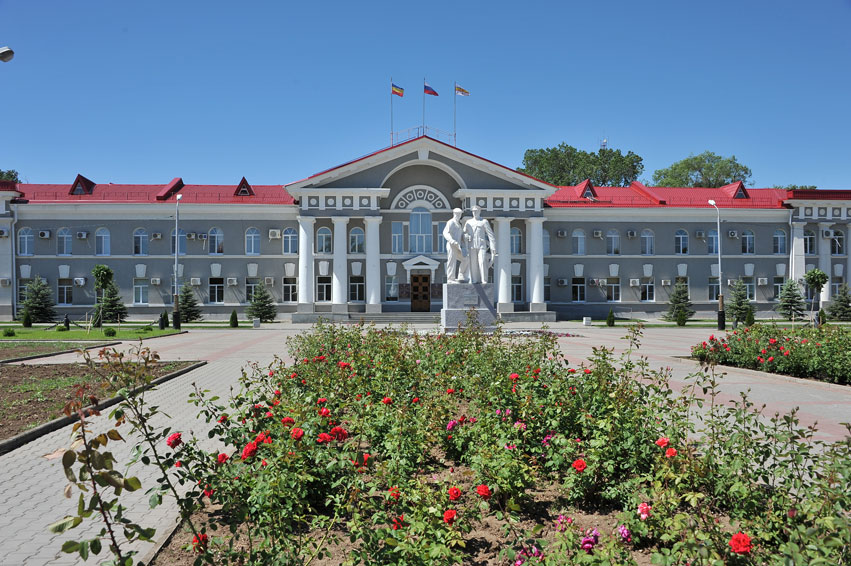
{"x": 460, "y": 298}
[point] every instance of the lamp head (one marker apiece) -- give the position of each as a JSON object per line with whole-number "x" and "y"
{"x": 711, "y": 202}
{"x": 6, "y": 54}
{"x": 179, "y": 197}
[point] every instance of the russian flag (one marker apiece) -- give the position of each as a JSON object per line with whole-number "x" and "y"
{"x": 428, "y": 90}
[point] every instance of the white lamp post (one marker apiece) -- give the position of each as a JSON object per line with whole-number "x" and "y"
{"x": 722, "y": 322}
{"x": 176, "y": 316}
{"x": 6, "y": 54}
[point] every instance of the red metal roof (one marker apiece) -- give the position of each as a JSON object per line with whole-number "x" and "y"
{"x": 818, "y": 194}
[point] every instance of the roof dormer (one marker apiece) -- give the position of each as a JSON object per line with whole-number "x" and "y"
{"x": 586, "y": 190}
{"x": 735, "y": 190}
{"x": 82, "y": 186}
{"x": 243, "y": 189}
{"x": 172, "y": 187}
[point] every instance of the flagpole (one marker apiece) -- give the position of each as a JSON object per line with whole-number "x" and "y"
{"x": 455, "y": 113}
{"x": 391, "y": 111}
{"x": 424, "y": 83}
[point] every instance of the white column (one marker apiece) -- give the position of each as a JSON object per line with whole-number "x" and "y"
{"x": 824, "y": 260}
{"x": 373, "y": 264}
{"x": 502, "y": 273}
{"x": 305, "y": 263}
{"x": 797, "y": 260}
{"x": 535, "y": 263}
{"x": 341, "y": 267}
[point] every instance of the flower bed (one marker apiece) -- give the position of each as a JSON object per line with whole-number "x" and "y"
{"x": 816, "y": 353}
{"x": 361, "y": 437}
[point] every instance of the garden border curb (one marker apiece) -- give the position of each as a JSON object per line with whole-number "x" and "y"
{"x": 11, "y": 444}
{"x": 51, "y": 354}
{"x": 780, "y": 376}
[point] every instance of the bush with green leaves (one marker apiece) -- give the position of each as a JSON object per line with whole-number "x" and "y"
{"x": 262, "y": 305}
{"x": 815, "y": 279}
{"x": 610, "y": 318}
{"x": 27, "y": 320}
{"x": 234, "y": 321}
{"x": 190, "y": 310}
{"x": 39, "y": 304}
{"x": 8, "y": 332}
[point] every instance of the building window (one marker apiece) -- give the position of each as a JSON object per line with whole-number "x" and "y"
{"x": 516, "y": 289}
{"x": 810, "y": 243}
{"x": 778, "y": 287}
{"x": 323, "y": 240}
{"x": 516, "y": 241}
{"x": 648, "y": 289}
{"x": 837, "y": 243}
{"x": 613, "y": 242}
{"x": 22, "y": 290}
{"x": 252, "y": 241}
{"x": 835, "y": 284}
{"x": 779, "y": 242}
{"x": 648, "y": 242}
{"x": 748, "y": 244}
{"x": 26, "y": 241}
{"x": 216, "y": 241}
{"x": 140, "y": 241}
{"x": 217, "y": 290}
{"x": 391, "y": 288}
{"x": 140, "y": 291}
{"x": 181, "y": 242}
{"x": 357, "y": 289}
{"x": 578, "y": 237}
{"x": 681, "y": 242}
{"x": 714, "y": 288}
{"x": 290, "y": 290}
{"x": 63, "y": 241}
{"x": 64, "y": 295}
{"x": 547, "y": 289}
{"x": 546, "y": 244}
{"x": 441, "y": 241}
{"x": 251, "y": 285}
{"x": 419, "y": 237}
{"x": 180, "y": 286}
{"x": 750, "y": 287}
{"x": 102, "y": 241}
{"x": 577, "y": 289}
{"x": 356, "y": 241}
{"x": 613, "y": 289}
{"x": 397, "y": 240}
{"x": 712, "y": 242}
{"x": 290, "y": 237}
{"x": 323, "y": 289}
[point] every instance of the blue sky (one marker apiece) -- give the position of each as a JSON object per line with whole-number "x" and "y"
{"x": 141, "y": 92}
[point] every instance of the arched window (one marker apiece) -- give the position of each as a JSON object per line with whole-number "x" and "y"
{"x": 810, "y": 243}
{"x": 681, "y": 242}
{"x": 181, "y": 242}
{"x": 712, "y": 242}
{"x": 546, "y": 243}
{"x": 613, "y": 242}
{"x": 216, "y": 241}
{"x": 748, "y": 242}
{"x": 323, "y": 240}
{"x": 26, "y": 241}
{"x": 356, "y": 240}
{"x": 648, "y": 242}
{"x": 102, "y": 241}
{"x": 140, "y": 241}
{"x": 516, "y": 241}
{"x": 252, "y": 241}
{"x": 578, "y": 237}
{"x": 63, "y": 241}
{"x": 290, "y": 238}
{"x": 779, "y": 242}
{"x": 419, "y": 237}
{"x": 837, "y": 243}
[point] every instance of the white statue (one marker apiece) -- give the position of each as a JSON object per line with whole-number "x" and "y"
{"x": 453, "y": 233}
{"x": 479, "y": 237}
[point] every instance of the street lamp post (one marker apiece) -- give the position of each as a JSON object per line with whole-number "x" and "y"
{"x": 176, "y": 317}
{"x": 722, "y": 321}
{"x": 6, "y": 54}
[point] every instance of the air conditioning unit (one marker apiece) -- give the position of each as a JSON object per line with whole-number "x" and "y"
{"x": 594, "y": 282}
{"x": 561, "y": 282}
{"x": 630, "y": 234}
{"x": 732, "y": 234}
{"x": 274, "y": 234}
{"x": 202, "y": 236}
{"x": 155, "y": 280}
{"x": 598, "y": 234}
{"x": 79, "y": 281}
{"x": 827, "y": 234}
{"x": 269, "y": 280}
{"x": 157, "y": 236}
{"x": 762, "y": 281}
{"x": 601, "y": 282}
{"x": 44, "y": 234}
{"x": 190, "y": 235}
{"x": 5, "y": 282}
{"x": 699, "y": 234}
{"x": 666, "y": 282}
{"x": 4, "y": 233}
{"x": 82, "y": 235}
{"x": 561, "y": 233}
{"x": 195, "y": 281}
{"x": 731, "y": 282}
{"x": 634, "y": 282}
{"x": 231, "y": 281}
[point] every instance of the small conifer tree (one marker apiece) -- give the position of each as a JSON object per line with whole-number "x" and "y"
{"x": 27, "y": 320}
{"x": 739, "y": 306}
{"x": 190, "y": 310}
{"x": 791, "y": 301}
{"x": 165, "y": 319}
{"x": 234, "y": 321}
{"x": 112, "y": 308}
{"x": 840, "y": 306}
{"x": 262, "y": 305}
{"x": 680, "y": 306}
{"x": 749, "y": 317}
{"x": 39, "y": 304}
{"x": 610, "y": 320}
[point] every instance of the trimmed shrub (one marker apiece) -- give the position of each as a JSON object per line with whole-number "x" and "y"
{"x": 8, "y": 332}
{"x": 109, "y": 332}
{"x": 610, "y": 319}
{"x": 234, "y": 321}
{"x": 27, "y": 320}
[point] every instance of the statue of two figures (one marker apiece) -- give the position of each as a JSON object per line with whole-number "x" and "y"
{"x": 467, "y": 245}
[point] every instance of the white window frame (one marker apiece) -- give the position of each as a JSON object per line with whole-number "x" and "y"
{"x": 323, "y": 289}
{"x": 181, "y": 242}
{"x": 216, "y": 241}
{"x": 26, "y": 242}
{"x": 613, "y": 242}
{"x": 289, "y": 290}
{"x": 577, "y": 290}
{"x": 835, "y": 284}
{"x": 648, "y": 242}
{"x": 357, "y": 289}
{"x": 810, "y": 243}
{"x": 140, "y": 242}
{"x": 391, "y": 288}
{"x": 837, "y": 243}
{"x": 713, "y": 289}
{"x": 577, "y": 238}
{"x": 216, "y": 290}
{"x": 102, "y": 242}
{"x": 648, "y": 290}
{"x": 681, "y": 242}
{"x": 613, "y": 289}
{"x": 63, "y": 242}
{"x": 748, "y": 242}
{"x": 140, "y": 291}
{"x": 357, "y": 240}
{"x": 64, "y": 292}
{"x": 712, "y": 242}
{"x": 516, "y": 289}
{"x": 750, "y": 287}
{"x": 324, "y": 240}
{"x": 252, "y": 241}
{"x": 397, "y": 237}
{"x": 777, "y": 284}
{"x": 778, "y": 242}
{"x": 251, "y": 285}
{"x": 290, "y": 241}
{"x": 419, "y": 231}
{"x": 516, "y": 239}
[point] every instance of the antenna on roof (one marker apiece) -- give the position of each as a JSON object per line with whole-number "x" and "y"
{"x": 604, "y": 143}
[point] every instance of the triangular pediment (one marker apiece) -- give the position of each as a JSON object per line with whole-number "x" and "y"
{"x": 82, "y": 186}
{"x": 420, "y": 262}
{"x": 243, "y": 189}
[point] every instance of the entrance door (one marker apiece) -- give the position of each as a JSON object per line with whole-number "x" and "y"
{"x": 420, "y": 293}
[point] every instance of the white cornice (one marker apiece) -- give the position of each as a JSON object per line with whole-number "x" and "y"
{"x": 154, "y": 211}
{"x": 668, "y": 215}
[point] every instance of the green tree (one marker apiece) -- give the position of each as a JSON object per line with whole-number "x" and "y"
{"x": 39, "y": 303}
{"x": 610, "y": 319}
{"x": 234, "y": 321}
{"x": 705, "y": 170}
{"x": 262, "y": 305}
{"x": 795, "y": 187}
{"x": 103, "y": 277}
{"x": 566, "y": 165}
{"x": 679, "y": 309}
{"x": 791, "y": 302}
{"x": 9, "y": 175}
{"x": 738, "y": 306}
{"x": 840, "y": 306}
{"x": 190, "y": 310}
{"x": 112, "y": 308}
{"x": 815, "y": 280}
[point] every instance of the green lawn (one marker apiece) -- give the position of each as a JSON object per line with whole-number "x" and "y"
{"x": 125, "y": 333}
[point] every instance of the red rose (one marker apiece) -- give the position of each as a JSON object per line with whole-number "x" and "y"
{"x": 579, "y": 465}
{"x": 223, "y": 418}
{"x": 249, "y": 450}
{"x": 741, "y": 543}
{"x": 174, "y": 440}
{"x": 321, "y": 400}
{"x": 454, "y": 494}
{"x": 662, "y": 442}
{"x": 484, "y": 492}
{"x": 670, "y": 452}
{"x": 222, "y": 458}
{"x": 394, "y": 492}
{"x": 324, "y": 437}
{"x": 287, "y": 421}
{"x": 449, "y": 516}
{"x": 324, "y": 412}
{"x": 387, "y": 401}
{"x": 199, "y": 542}
{"x": 450, "y": 391}
{"x": 586, "y": 370}
{"x": 398, "y": 522}
{"x": 415, "y": 400}
{"x": 208, "y": 491}
{"x": 339, "y": 433}
{"x": 296, "y": 433}
{"x": 514, "y": 377}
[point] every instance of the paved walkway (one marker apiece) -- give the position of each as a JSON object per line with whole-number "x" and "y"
{"x": 31, "y": 477}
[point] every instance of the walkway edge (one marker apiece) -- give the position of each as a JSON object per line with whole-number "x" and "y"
{"x": 10, "y": 444}
{"x": 51, "y": 354}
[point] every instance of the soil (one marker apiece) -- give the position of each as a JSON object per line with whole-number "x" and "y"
{"x": 33, "y": 394}
{"x": 11, "y": 350}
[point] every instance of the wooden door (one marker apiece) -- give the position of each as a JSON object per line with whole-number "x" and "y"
{"x": 420, "y": 293}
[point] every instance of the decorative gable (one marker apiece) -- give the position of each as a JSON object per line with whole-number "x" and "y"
{"x": 586, "y": 190}
{"x": 735, "y": 190}
{"x": 82, "y": 186}
{"x": 243, "y": 189}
